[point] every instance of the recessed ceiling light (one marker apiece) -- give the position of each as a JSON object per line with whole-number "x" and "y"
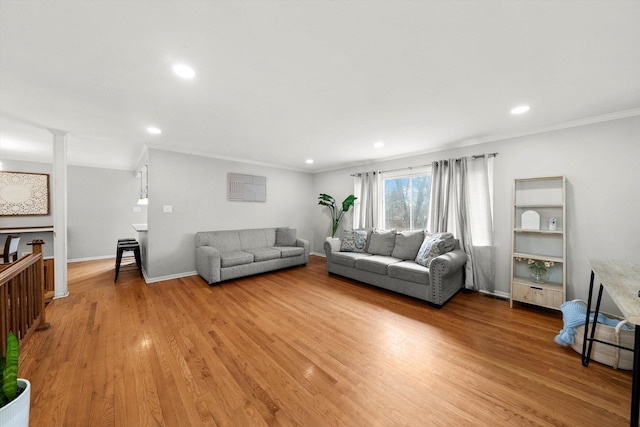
{"x": 379, "y": 144}
{"x": 154, "y": 130}
{"x": 184, "y": 71}
{"x": 520, "y": 109}
{"x": 309, "y": 161}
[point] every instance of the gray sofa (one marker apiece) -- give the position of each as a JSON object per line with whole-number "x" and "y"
{"x": 228, "y": 254}
{"x": 399, "y": 271}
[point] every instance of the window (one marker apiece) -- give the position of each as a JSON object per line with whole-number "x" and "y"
{"x": 405, "y": 199}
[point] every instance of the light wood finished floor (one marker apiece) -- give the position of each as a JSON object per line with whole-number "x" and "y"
{"x": 299, "y": 347}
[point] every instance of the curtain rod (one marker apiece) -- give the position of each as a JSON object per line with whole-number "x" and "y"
{"x": 480, "y": 156}
{"x": 473, "y": 157}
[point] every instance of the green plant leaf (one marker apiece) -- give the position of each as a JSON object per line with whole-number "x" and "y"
{"x": 348, "y": 202}
{"x": 326, "y": 200}
{"x": 10, "y": 371}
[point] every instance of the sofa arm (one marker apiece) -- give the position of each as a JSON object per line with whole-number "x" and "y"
{"x": 446, "y": 275}
{"x": 448, "y": 263}
{"x": 327, "y": 251}
{"x": 302, "y": 243}
{"x": 208, "y": 263}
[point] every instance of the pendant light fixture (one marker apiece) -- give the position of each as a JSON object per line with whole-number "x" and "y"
{"x": 144, "y": 191}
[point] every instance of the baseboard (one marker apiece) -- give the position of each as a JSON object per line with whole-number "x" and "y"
{"x": 147, "y": 279}
{"x": 497, "y": 294}
{"x": 169, "y": 277}
{"x": 66, "y": 294}
{"x": 93, "y": 258}
{"x": 318, "y": 254}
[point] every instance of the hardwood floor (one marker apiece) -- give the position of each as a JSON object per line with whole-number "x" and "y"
{"x": 299, "y": 347}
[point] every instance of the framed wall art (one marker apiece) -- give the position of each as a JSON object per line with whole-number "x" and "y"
{"x": 246, "y": 188}
{"x": 24, "y": 194}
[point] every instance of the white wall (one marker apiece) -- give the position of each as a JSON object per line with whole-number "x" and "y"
{"x": 100, "y": 206}
{"x": 602, "y": 165}
{"x": 196, "y": 189}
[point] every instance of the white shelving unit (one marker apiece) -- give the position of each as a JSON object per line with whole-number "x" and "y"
{"x": 547, "y": 197}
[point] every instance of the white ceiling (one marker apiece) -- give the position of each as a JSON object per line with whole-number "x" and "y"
{"x": 282, "y": 81}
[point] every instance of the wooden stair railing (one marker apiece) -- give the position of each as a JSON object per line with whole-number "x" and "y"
{"x": 22, "y": 296}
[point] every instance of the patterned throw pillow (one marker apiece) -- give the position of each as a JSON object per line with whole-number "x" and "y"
{"x": 450, "y": 241}
{"x": 354, "y": 241}
{"x": 430, "y": 249}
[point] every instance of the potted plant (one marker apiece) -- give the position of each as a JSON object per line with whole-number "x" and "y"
{"x": 336, "y": 215}
{"x": 15, "y": 393}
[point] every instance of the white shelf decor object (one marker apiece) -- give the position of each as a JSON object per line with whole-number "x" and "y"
{"x": 530, "y": 220}
{"x": 538, "y": 202}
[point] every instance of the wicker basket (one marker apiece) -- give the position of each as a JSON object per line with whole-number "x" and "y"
{"x": 606, "y": 354}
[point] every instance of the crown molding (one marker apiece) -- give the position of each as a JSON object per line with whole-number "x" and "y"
{"x": 227, "y": 158}
{"x": 558, "y": 126}
{"x": 498, "y": 137}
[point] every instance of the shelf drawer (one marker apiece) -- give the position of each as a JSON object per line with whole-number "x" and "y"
{"x": 536, "y": 295}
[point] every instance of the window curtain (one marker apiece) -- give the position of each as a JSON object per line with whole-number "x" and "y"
{"x": 462, "y": 204}
{"x": 366, "y": 207}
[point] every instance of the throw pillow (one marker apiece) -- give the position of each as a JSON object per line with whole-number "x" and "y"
{"x": 368, "y": 231}
{"x": 430, "y": 249}
{"x": 450, "y": 241}
{"x": 286, "y": 236}
{"x": 408, "y": 244}
{"x": 354, "y": 241}
{"x": 382, "y": 242}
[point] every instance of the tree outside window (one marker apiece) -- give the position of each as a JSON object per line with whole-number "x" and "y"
{"x": 406, "y": 201}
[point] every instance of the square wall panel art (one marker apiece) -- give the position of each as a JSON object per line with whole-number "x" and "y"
{"x": 246, "y": 188}
{"x": 24, "y": 194}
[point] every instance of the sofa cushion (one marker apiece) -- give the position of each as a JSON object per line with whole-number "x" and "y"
{"x": 224, "y": 241}
{"x": 229, "y": 259}
{"x": 290, "y": 251}
{"x": 382, "y": 242}
{"x": 375, "y": 263}
{"x": 354, "y": 241}
{"x": 408, "y": 244}
{"x": 256, "y": 238}
{"x": 264, "y": 254}
{"x": 286, "y": 236}
{"x": 409, "y": 271}
{"x": 348, "y": 259}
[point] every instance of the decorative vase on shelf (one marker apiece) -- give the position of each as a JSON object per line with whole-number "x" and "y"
{"x": 539, "y": 276}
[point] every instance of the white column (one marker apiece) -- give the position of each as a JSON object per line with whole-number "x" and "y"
{"x": 60, "y": 212}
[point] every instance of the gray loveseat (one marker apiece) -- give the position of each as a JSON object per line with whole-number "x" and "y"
{"x": 228, "y": 254}
{"x": 393, "y": 265}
